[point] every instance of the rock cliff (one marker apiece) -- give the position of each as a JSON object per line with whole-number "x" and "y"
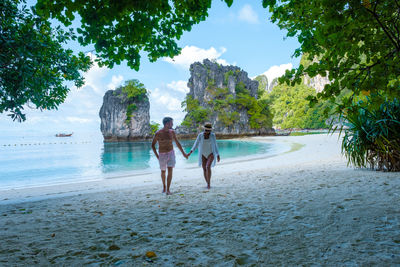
{"x": 317, "y": 82}
{"x": 116, "y": 122}
{"x": 262, "y": 83}
{"x": 274, "y": 83}
{"x": 224, "y": 96}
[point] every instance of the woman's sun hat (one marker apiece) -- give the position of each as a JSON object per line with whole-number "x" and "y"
{"x": 207, "y": 126}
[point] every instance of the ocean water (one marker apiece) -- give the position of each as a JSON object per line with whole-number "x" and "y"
{"x": 37, "y": 160}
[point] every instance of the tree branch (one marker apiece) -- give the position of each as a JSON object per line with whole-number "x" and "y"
{"x": 379, "y": 61}
{"x": 368, "y": 68}
{"x": 384, "y": 28}
{"x": 397, "y": 30}
{"x": 397, "y": 3}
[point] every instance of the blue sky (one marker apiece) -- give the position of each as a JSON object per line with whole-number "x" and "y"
{"x": 241, "y": 35}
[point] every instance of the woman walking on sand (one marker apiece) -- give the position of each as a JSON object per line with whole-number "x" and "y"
{"x": 208, "y": 151}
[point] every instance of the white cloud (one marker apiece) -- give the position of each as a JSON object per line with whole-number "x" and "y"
{"x": 35, "y": 117}
{"x": 164, "y": 104}
{"x": 87, "y": 100}
{"x": 79, "y": 120}
{"x": 115, "y": 82}
{"x": 247, "y": 14}
{"x": 165, "y": 100}
{"x": 224, "y": 62}
{"x": 155, "y": 93}
{"x": 277, "y": 71}
{"x": 191, "y": 54}
{"x": 171, "y": 103}
{"x": 82, "y": 101}
{"x": 179, "y": 86}
{"x": 94, "y": 75}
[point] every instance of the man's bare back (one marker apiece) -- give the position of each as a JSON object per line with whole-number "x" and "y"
{"x": 164, "y": 138}
{"x": 166, "y": 154}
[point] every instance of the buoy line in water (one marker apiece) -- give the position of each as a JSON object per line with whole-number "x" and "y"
{"x": 50, "y": 143}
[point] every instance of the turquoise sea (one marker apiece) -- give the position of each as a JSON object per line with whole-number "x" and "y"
{"x": 37, "y": 160}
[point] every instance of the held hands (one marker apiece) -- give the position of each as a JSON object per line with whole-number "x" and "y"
{"x": 187, "y": 155}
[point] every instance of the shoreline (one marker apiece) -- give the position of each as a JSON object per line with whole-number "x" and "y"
{"x": 140, "y": 177}
{"x": 94, "y": 171}
{"x": 305, "y": 207}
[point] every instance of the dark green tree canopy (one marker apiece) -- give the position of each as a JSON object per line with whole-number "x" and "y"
{"x": 356, "y": 43}
{"x": 33, "y": 63}
{"x": 121, "y": 29}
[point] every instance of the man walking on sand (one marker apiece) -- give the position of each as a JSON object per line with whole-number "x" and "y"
{"x": 166, "y": 153}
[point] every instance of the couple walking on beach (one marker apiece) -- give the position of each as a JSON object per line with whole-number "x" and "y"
{"x": 206, "y": 142}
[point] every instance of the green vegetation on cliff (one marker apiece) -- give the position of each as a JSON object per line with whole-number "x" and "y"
{"x": 196, "y": 114}
{"x": 226, "y": 106}
{"x": 291, "y": 109}
{"x": 132, "y": 90}
{"x": 226, "y": 76}
{"x": 262, "y": 83}
{"x": 258, "y": 110}
{"x": 221, "y": 103}
{"x": 154, "y": 127}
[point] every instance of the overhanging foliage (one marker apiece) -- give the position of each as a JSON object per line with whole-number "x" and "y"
{"x": 120, "y": 30}
{"x": 33, "y": 63}
{"x": 356, "y": 43}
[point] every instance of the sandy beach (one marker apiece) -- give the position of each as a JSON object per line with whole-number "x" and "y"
{"x": 302, "y": 207}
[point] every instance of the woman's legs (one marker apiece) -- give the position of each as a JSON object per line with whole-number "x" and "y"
{"x": 206, "y": 164}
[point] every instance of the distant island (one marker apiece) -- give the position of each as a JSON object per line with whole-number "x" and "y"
{"x": 226, "y": 97}
{"x": 125, "y": 113}
{"x": 223, "y": 95}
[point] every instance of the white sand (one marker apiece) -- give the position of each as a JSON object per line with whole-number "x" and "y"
{"x": 299, "y": 208}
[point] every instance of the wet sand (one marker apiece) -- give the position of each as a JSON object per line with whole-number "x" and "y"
{"x": 303, "y": 207}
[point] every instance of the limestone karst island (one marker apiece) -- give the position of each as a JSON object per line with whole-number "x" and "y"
{"x": 222, "y": 95}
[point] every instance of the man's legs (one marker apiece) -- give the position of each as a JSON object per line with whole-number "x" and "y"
{"x": 163, "y": 180}
{"x": 169, "y": 179}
